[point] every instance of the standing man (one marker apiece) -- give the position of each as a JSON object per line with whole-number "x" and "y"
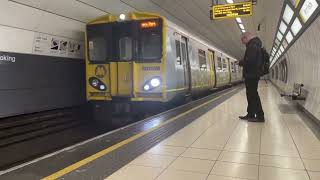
{"x": 252, "y": 63}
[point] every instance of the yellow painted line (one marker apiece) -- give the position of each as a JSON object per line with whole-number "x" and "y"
{"x": 122, "y": 143}
{"x": 172, "y": 90}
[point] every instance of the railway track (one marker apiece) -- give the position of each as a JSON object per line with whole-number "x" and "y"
{"x": 27, "y": 136}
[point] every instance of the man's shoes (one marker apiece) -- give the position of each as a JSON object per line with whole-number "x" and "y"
{"x": 257, "y": 119}
{"x": 246, "y": 117}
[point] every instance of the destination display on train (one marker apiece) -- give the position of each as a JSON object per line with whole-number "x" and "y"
{"x": 232, "y": 10}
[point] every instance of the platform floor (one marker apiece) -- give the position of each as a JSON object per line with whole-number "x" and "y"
{"x": 219, "y": 146}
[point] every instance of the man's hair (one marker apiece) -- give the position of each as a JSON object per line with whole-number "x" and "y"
{"x": 248, "y": 35}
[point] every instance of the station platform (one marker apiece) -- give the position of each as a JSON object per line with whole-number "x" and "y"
{"x": 207, "y": 142}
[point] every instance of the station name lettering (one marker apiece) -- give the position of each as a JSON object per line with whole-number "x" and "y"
{"x": 7, "y": 58}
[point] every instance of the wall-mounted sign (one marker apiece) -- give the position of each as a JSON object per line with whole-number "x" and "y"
{"x": 49, "y": 45}
{"x": 231, "y": 10}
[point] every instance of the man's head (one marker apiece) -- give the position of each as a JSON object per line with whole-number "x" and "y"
{"x": 246, "y": 37}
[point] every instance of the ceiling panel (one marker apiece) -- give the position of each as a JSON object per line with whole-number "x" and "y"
{"x": 71, "y": 8}
{"x": 110, "y": 6}
{"x": 192, "y": 15}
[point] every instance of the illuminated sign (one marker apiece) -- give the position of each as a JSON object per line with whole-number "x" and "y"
{"x": 231, "y": 10}
{"x": 148, "y": 24}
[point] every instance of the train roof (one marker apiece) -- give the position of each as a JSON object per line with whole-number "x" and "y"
{"x": 147, "y": 15}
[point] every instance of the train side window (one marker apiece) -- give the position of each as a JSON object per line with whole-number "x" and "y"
{"x": 202, "y": 59}
{"x": 286, "y": 70}
{"x": 178, "y": 52}
{"x": 224, "y": 64}
{"x": 277, "y": 72}
{"x": 233, "y": 67}
{"x": 184, "y": 52}
{"x": 219, "y": 69}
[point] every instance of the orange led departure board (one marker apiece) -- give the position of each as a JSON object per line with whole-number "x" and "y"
{"x": 231, "y": 10}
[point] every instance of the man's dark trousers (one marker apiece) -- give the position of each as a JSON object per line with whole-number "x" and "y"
{"x": 254, "y": 103}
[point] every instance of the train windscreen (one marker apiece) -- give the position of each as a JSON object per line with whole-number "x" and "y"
{"x": 125, "y": 41}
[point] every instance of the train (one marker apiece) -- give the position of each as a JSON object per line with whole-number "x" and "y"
{"x": 139, "y": 60}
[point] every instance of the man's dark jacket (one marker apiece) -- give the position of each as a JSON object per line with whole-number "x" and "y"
{"x": 252, "y": 61}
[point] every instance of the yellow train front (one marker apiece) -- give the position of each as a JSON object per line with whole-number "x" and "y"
{"x": 138, "y": 61}
{"x": 125, "y": 60}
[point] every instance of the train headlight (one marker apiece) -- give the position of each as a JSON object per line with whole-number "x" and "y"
{"x": 102, "y": 87}
{"x": 95, "y": 83}
{"x": 155, "y": 82}
{"x": 152, "y": 84}
{"x": 122, "y": 17}
{"x": 146, "y": 87}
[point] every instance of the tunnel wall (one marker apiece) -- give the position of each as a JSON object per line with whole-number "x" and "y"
{"x": 41, "y": 59}
{"x": 303, "y": 60}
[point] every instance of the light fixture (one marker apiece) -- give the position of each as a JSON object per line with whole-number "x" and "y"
{"x": 289, "y": 37}
{"x": 241, "y": 26}
{"x": 238, "y": 20}
{"x": 229, "y": 1}
{"x": 283, "y": 27}
{"x": 243, "y": 30}
{"x": 296, "y": 26}
{"x": 279, "y": 36}
{"x": 122, "y": 17}
{"x": 287, "y": 15}
{"x": 281, "y": 48}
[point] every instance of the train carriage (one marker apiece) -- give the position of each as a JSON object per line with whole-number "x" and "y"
{"x": 138, "y": 59}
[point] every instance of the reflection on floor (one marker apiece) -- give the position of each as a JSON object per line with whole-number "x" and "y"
{"x": 219, "y": 146}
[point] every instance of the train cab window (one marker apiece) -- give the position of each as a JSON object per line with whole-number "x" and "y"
{"x": 98, "y": 43}
{"x": 150, "y": 45}
{"x": 178, "y": 52}
{"x": 125, "y": 46}
{"x": 97, "y": 48}
{"x": 202, "y": 59}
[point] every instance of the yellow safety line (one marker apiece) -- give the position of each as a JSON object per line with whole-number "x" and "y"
{"x": 172, "y": 90}
{"x": 122, "y": 143}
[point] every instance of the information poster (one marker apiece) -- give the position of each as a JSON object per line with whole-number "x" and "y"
{"x": 49, "y": 45}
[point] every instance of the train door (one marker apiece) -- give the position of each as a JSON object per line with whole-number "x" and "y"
{"x": 121, "y": 72}
{"x": 186, "y": 62}
{"x": 212, "y": 69}
{"x": 229, "y": 70}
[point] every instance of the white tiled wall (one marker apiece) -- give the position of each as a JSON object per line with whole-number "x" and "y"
{"x": 20, "y": 20}
{"x": 304, "y": 67}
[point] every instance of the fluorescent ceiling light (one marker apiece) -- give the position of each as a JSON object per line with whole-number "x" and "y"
{"x": 285, "y": 44}
{"x": 243, "y": 30}
{"x": 288, "y": 13}
{"x": 296, "y": 26}
{"x": 283, "y": 27}
{"x": 279, "y": 36}
{"x": 289, "y": 37}
{"x": 239, "y": 20}
{"x": 307, "y": 9}
{"x": 229, "y": 1}
{"x": 281, "y": 48}
{"x": 241, "y": 26}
